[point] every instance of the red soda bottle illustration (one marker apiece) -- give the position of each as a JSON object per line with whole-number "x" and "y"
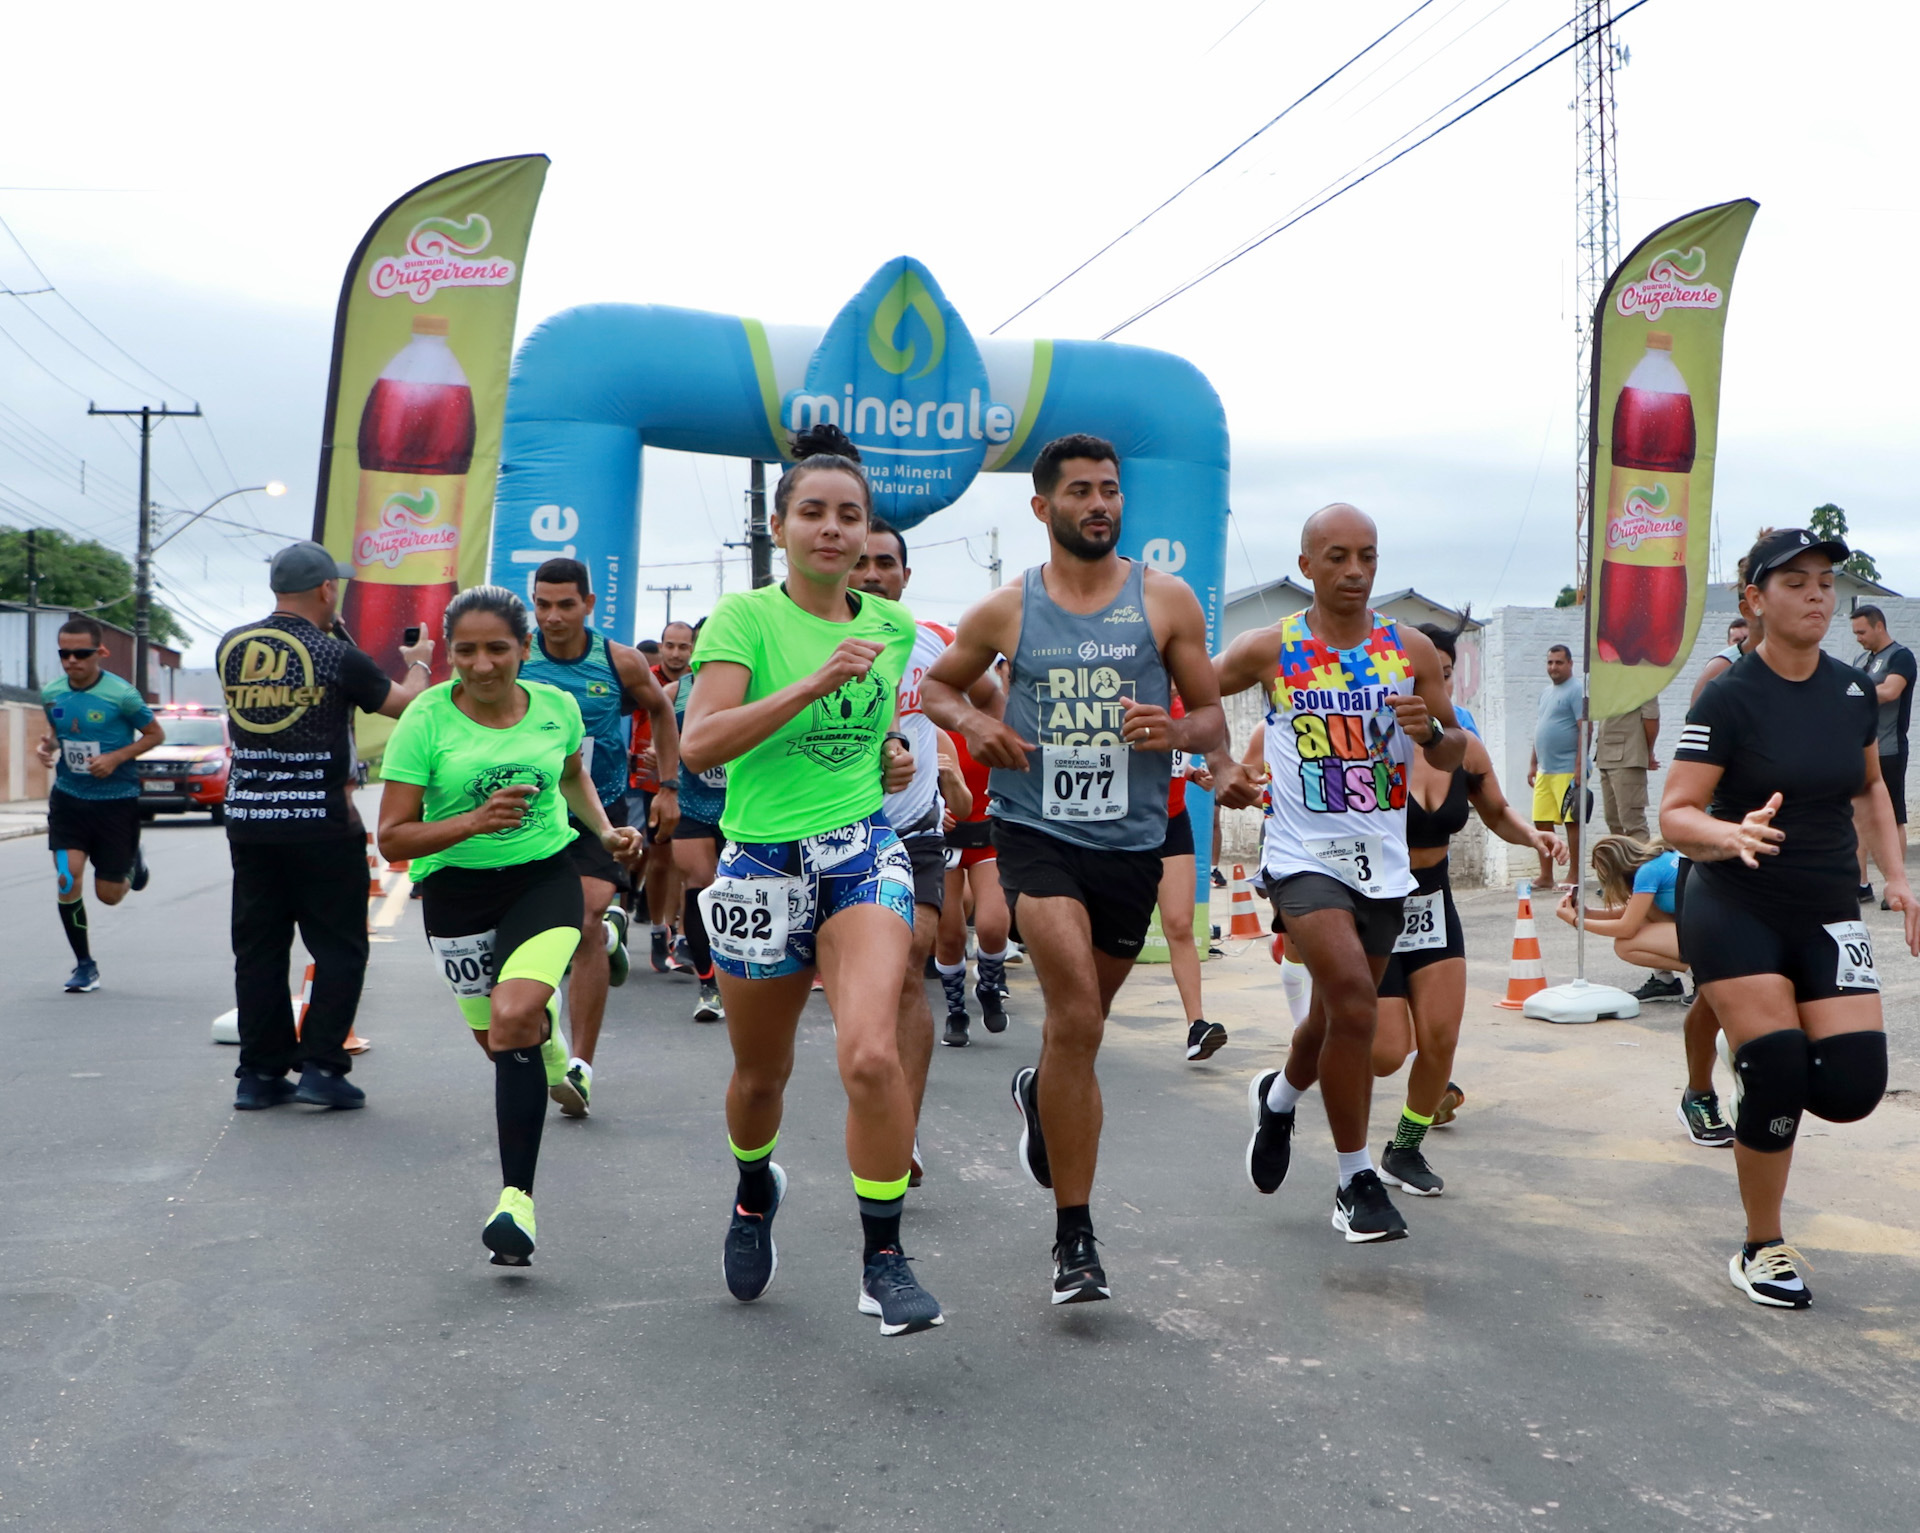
{"x": 1643, "y": 556}
{"x": 416, "y": 445}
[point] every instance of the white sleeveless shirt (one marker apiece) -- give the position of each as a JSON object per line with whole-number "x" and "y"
{"x": 1337, "y": 761}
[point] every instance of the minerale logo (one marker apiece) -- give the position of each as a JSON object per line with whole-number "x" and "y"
{"x": 1643, "y": 517}
{"x": 945, "y": 420}
{"x": 406, "y": 527}
{"x": 1672, "y": 282}
{"x": 438, "y": 255}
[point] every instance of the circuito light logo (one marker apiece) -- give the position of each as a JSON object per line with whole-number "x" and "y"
{"x": 1644, "y": 516}
{"x": 409, "y": 524}
{"x": 1673, "y": 281}
{"x": 441, "y": 252}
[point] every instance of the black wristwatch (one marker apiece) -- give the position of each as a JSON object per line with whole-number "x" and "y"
{"x": 1439, "y": 732}
{"x": 894, "y": 734}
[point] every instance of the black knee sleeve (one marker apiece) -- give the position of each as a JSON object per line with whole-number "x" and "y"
{"x": 1846, "y": 1076}
{"x": 1773, "y": 1089}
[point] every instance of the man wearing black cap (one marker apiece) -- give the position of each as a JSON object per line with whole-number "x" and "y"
{"x": 297, "y": 842}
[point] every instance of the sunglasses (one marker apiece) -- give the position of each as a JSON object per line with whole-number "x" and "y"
{"x": 78, "y": 654}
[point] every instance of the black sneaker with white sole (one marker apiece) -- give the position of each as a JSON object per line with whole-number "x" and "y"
{"x": 1771, "y": 1276}
{"x": 889, "y": 1289}
{"x": 1661, "y": 987}
{"x": 1078, "y": 1277}
{"x": 1409, "y": 1171}
{"x": 1033, "y": 1145}
{"x": 1204, "y": 1039}
{"x": 954, "y": 1035}
{"x": 1362, "y": 1211}
{"x": 751, "y": 1259}
{"x": 1271, "y": 1149}
{"x": 1700, "y": 1112}
{"x": 993, "y": 1015}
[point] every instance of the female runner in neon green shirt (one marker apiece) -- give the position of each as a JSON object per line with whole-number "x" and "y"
{"x": 794, "y": 691}
{"x": 480, "y": 772}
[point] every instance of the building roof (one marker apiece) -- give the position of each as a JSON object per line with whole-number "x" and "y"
{"x": 1287, "y": 589}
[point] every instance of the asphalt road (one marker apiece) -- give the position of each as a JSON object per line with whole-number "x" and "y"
{"x": 285, "y": 1320}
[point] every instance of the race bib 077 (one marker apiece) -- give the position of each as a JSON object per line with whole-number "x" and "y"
{"x": 1083, "y": 784}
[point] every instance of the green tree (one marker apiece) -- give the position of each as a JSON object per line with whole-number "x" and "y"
{"x": 1829, "y": 521}
{"x": 1568, "y": 597}
{"x": 85, "y": 576}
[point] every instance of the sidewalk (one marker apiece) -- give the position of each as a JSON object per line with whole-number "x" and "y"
{"x": 23, "y": 817}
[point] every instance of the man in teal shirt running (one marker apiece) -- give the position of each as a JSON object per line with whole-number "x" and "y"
{"x": 97, "y": 725}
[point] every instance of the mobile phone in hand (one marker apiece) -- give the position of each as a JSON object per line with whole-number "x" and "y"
{"x": 410, "y": 636}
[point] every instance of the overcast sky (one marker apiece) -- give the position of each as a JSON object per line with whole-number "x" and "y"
{"x": 1409, "y": 348}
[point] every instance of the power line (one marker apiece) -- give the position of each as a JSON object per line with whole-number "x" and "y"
{"x": 1168, "y": 202}
{"x": 1248, "y": 248}
{"x": 1233, "y": 29}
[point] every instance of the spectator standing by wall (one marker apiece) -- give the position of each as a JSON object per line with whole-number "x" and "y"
{"x": 1556, "y": 752}
{"x": 296, "y": 840}
{"x": 1623, "y": 750}
{"x": 1890, "y": 664}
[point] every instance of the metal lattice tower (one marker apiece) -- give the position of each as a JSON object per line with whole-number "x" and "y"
{"x": 1596, "y": 188}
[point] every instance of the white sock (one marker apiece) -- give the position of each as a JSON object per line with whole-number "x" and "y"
{"x": 999, "y": 957}
{"x": 1352, "y": 1163}
{"x": 1297, "y": 985}
{"x": 950, "y": 968}
{"x": 659, "y": 931}
{"x": 584, "y": 1068}
{"x": 1283, "y": 1095}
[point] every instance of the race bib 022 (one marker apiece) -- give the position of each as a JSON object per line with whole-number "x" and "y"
{"x": 747, "y": 920}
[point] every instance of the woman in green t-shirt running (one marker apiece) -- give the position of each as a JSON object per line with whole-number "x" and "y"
{"x": 480, "y": 773}
{"x": 794, "y": 691}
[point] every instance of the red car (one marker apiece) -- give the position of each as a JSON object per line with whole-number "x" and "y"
{"x": 190, "y": 770}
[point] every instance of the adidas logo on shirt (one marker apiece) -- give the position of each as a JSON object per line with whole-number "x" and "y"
{"x": 1853, "y": 689}
{"x": 1696, "y": 737}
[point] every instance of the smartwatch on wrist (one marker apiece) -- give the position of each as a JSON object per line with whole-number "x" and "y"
{"x": 1439, "y": 732}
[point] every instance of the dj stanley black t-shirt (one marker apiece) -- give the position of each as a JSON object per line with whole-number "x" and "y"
{"x": 291, "y": 691}
{"x": 1806, "y": 741}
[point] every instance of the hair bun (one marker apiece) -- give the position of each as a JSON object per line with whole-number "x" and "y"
{"x": 824, "y": 440}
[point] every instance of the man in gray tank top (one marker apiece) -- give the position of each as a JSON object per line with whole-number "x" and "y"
{"x": 1081, "y": 764}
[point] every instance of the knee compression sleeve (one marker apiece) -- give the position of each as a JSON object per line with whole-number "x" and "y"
{"x": 1773, "y": 1089}
{"x": 1846, "y": 1076}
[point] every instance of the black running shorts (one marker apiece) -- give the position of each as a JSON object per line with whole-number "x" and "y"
{"x": 590, "y": 858}
{"x": 1379, "y": 922}
{"x": 515, "y": 902}
{"x": 1430, "y": 930}
{"x": 929, "y": 857}
{"x": 1179, "y": 842}
{"x": 1820, "y": 952}
{"x": 106, "y": 829}
{"x": 699, "y": 830}
{"x": 1119, "y": 889}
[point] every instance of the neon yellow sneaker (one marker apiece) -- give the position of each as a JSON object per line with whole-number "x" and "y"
{"x": 509, "y": 1233}
{"x": 574, "y": 1092}
{"x": 553, "y": 1054}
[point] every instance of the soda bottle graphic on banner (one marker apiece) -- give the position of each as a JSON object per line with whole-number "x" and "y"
{"x": 1643, "y": 557}
{"x": 416, "y": 445}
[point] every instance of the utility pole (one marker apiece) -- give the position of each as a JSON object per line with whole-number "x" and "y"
{"x": 669, "y": 590}
{"x": 1597, "y": 199}
{"x": 33, "y": 609}
{"x": 993, "y": 557}
{"x": 143, "y": 562}
{"x": 759, "y": 539}
{"x": 719, "y": 573}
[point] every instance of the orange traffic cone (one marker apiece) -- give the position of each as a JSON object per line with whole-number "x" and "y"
{"x": 302, "y": 1001}
{"x": 1279, "y": 948}
{"x": 1246, "y": 920}
{"x": 1528, "y": 975}
{"x": 374, "y": 891}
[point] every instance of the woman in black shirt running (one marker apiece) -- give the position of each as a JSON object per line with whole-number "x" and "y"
{"x": 1777, "y": 764}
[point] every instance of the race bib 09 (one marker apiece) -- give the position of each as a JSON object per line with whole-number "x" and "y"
{"x": 466, "y": 963}
{"x": 79, "y": 754}
{"x": 1084, "y": 784}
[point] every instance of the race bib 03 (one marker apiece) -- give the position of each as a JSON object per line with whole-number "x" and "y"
{"x": 1854, "y": 968}
{"x": 1354, "y": 860}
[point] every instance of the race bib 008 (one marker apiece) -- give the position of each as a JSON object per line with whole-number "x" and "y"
{"x": 466, "y": 963}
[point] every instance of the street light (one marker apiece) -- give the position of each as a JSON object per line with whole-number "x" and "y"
{"x": 143, "y": 575}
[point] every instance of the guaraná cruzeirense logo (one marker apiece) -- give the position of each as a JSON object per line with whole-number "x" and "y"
{"x": 441, "y": 252}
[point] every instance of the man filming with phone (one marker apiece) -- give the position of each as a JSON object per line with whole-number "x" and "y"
{"x": 296, "y": 840}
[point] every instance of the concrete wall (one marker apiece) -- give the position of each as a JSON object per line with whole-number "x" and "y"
{"x": 21, "y": 774}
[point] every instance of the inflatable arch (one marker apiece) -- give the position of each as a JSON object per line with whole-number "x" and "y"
{"x": 898, "y": 371}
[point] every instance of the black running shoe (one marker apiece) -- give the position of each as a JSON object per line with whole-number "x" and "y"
{"x": 750, "y": 1258}
{"x": 1409, "y": 1171}
{"x": 1219, "y": 879}
{"x": 1661, "y": 987}
{"x": 321, "y": 1087}
{"x": 256, "y": 1092}
{"x": 658, "y": 955}
{"x": 140, "y": 873}
{"x": 954, "y": 1035}
{"x": 1866, "y": 894}
{"x": 1204, "y": 1039}
{"x": 889, "y": 1289}
{"x": 1772, "y": 1276}
{"x": 992, "y": 1014}
{"x": 1033, "y": 1147}
{"x": 1362, "y": 1211}
{"x": 1700, "y": 1112}
{"x": 1271, "y": 1148}
{"x": 1078, "y": 1277}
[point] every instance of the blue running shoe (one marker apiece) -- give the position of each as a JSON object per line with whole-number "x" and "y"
{"x": 256, "y": 1092}
{"x": 321, "y": 1087}
{"x": 750, "y": 1258}
{"x": 889, "y": 1289}
{"x": 85, "y": 977}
